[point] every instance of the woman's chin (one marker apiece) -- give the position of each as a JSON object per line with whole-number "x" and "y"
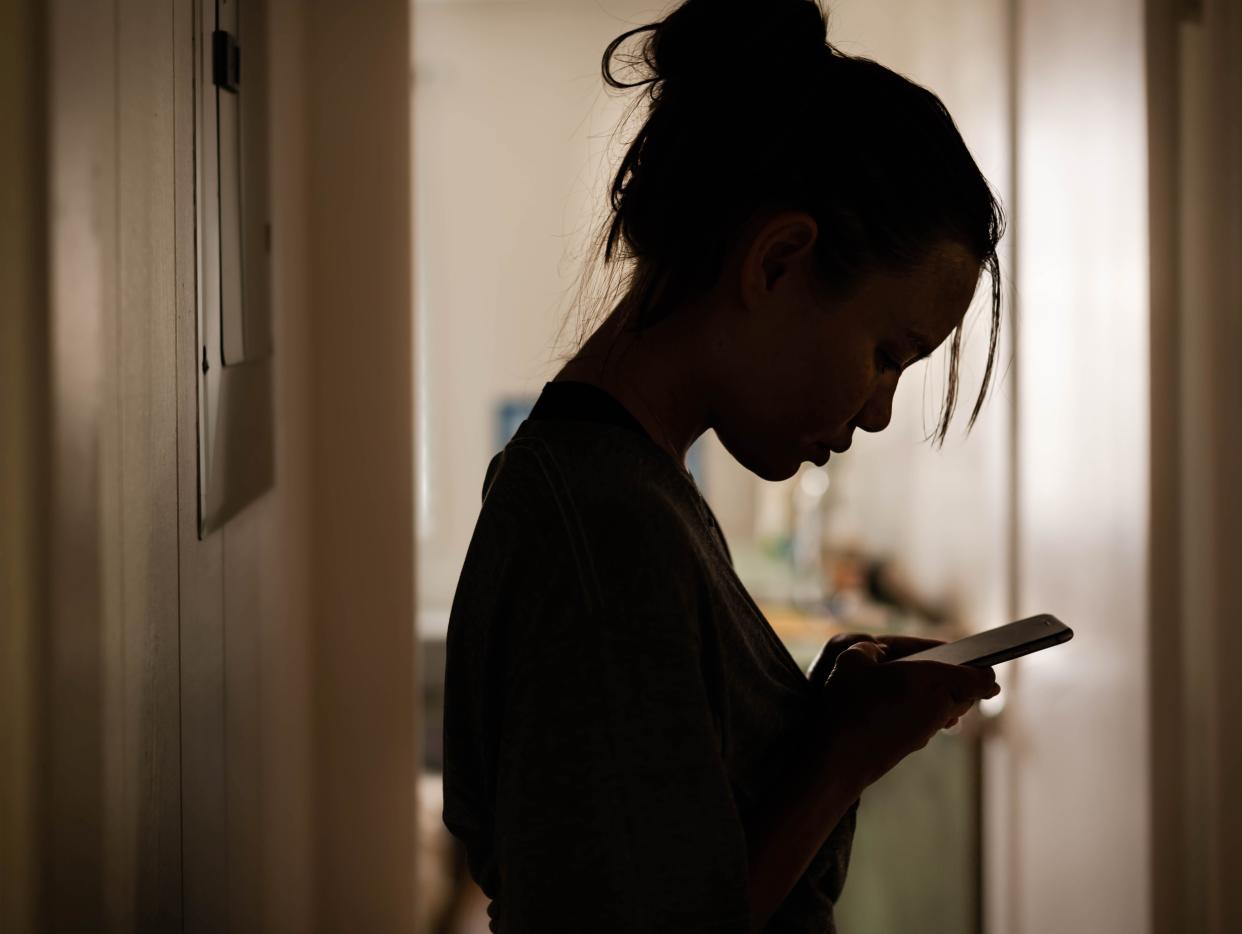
{"x": 775, "y": 472}
{"x": 773, "y": 466}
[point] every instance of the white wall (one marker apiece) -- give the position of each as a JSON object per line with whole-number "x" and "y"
{"x": 1077, "y": 717}
{"x": 510, "y": 126}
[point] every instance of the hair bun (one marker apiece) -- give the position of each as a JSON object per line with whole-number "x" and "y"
{"x": 701, "y": 40}
{"x": 703, "y": 37}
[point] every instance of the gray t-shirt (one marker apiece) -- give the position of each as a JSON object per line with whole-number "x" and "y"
{"x": 615, "y": 703}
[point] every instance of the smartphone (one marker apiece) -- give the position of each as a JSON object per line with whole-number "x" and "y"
{"x": 1001, "y": 644}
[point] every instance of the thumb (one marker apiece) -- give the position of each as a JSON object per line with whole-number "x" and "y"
{"x": 859, "y": 655}
{"x": 827, "y": 657}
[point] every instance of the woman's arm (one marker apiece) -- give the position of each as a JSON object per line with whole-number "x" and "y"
{"x": 792, "y": 824}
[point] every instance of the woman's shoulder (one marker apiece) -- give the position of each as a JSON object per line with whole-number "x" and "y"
{"x": 577, "y": 531}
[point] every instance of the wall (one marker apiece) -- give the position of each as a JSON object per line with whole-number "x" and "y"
{"x": 513, "y": 128}
{"x": 111, "y": 828}
{"x": 1195, "y": 91}
{"x": 219, "y": 734}
{"x": 23, "y": 451}
{"x": 1076, "y": 719}
{"x": 1210, "y": 440}
{"x": 361, "y": 455}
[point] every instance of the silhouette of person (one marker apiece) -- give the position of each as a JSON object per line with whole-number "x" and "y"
{"x": 628, "y": 745}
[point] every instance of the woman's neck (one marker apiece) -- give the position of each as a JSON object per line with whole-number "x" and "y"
{"x": 652, "y": 373}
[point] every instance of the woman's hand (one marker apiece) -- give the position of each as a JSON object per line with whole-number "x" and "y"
{"x": 894, "y": 647}
{"x": 870, "y": 716}
{"x": 875, "y": 714}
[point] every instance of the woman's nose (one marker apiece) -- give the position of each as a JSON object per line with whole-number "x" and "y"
{"x": 878, "y": 411}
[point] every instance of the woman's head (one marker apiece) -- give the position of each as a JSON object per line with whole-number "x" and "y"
{"x": 757, "y": 127}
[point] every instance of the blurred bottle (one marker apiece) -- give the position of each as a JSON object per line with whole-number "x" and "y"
{"x": 774, "y": 541}
{"x": 808, "y": 498}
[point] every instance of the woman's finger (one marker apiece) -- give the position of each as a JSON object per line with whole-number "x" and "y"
{"x": 901, "y": 646}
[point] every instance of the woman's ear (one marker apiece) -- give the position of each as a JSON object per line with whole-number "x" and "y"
{"x": 781, "y": 245}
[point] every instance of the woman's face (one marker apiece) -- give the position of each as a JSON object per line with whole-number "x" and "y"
{"x": 800, "y": 371}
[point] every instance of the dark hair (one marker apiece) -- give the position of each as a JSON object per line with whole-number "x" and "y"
{"x": 751, "y": 108}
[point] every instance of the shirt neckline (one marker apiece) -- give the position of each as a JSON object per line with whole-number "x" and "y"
{"x": 579, "y": 401}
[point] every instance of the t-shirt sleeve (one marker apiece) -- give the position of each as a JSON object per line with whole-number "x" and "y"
{"x": 613, "y": 809}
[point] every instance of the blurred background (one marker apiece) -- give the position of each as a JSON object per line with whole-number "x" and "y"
{"x": 226, "y": 564}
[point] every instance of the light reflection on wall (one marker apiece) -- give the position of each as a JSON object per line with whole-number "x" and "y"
{"x": 1076, "y": 717}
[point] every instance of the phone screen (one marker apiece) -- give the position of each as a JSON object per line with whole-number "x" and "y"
{"x": 1001, "y": 644}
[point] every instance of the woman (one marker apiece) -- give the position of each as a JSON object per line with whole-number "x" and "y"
{"x": 628, "y": 745}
